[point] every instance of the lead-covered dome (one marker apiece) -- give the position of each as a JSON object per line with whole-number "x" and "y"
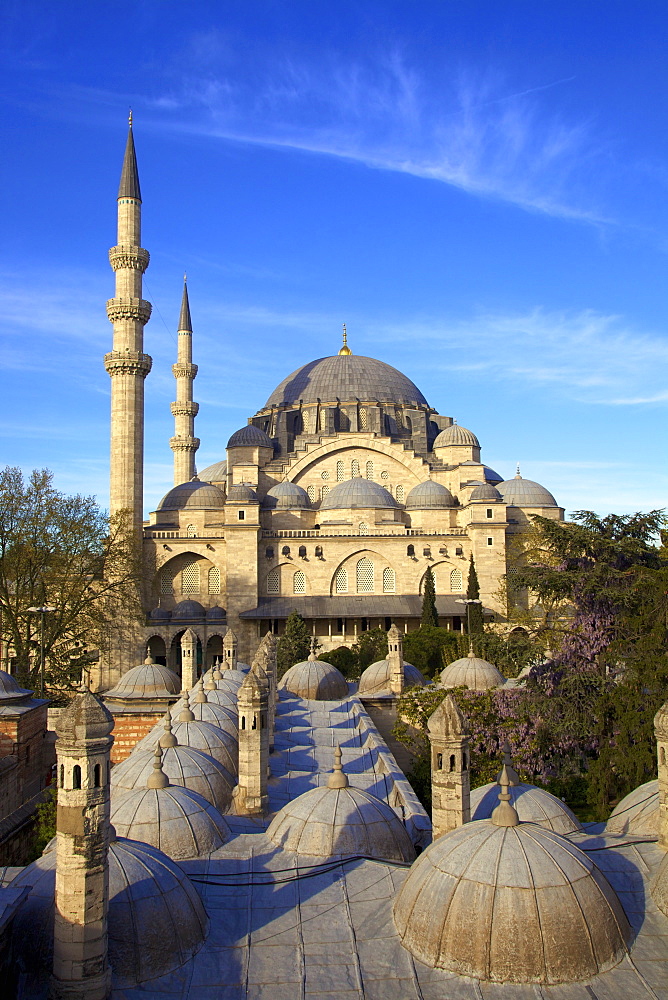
{"x": 10, "y": 690}
{"x": 183, "y": 766}
{"x": 215, "y": 473}
{"x": 533, "y": 805}
{"x": 242, "y": 493}
{"x": 473, "y": 673}
{"x": 358, "y": 493}
{"x": 525, "y": 493}
{"x": 156, "y": 919}
{"x": 375, "y": 680}
{"x": 485, "y": 492}
{"x": 148, "y": 680}
{"x": 188, "y": 611}
{"x": 287, "y": 496}
{"x": 638, "y": 812}
{"x": 250, "y": 436}
{"x": 346, "y": 377}
{"x": 193, "y": 495}
{"x": 428, "y": 496}
{"x": 457, "y": 435}
{"x": 314, "y": 680}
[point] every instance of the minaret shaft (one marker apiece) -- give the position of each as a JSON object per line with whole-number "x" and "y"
{"x": 127, "y": 364}
{"x": 184, "y": 444}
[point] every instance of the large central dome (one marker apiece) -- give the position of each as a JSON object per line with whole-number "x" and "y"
{"x": 346, "y": 377}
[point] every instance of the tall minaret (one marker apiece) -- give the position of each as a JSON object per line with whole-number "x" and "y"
{"x": 184, "y": 444}
{"x": 127, "y": 364}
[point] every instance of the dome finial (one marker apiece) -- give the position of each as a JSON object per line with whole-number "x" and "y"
{"x": 130, "y": 117}
{"x": 345, "y": 349}
{"x": 505, "y": 814}
{"x": 471, "y": 653}
{"x": 337, "y": 779}
{"x": 312, "y": 655}
{"x": 508, "y": 764}
{"x": 186, "y": 714}
{"x": 200, "y": 694}
{"x": 149, "y": 659}
{"x": 157, "y": 778}
{"x": 168, "y": 739}
{"x": 517, "y": 474}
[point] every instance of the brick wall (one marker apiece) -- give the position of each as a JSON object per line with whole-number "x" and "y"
{"x": 129, "y": 730}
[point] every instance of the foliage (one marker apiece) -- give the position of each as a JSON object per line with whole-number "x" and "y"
{"x": 429, "y": 648}
{"x": 61, "y": 551}
{"x": 45, "y": 826}
{"x": 474, "y": 620}
{"x": 344, "y": 660}
{"x": 370, "y": 647}
{"x": 295, "y": 643}
{"x": 429, "y": 612}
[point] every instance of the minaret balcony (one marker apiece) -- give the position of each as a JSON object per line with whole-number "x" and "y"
{"x": 188, "y": 409}
{"x": 184, "y": 369}
{"x": 128, "y": 363}
{"x": 184, "y": 443}
{"x": 128, "y": 309}
{"x": 128, "y": 256}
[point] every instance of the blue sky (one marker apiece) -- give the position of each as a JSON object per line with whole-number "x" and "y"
{"x": 477, "y": 189}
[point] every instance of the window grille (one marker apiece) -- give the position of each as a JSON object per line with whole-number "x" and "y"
{"x": 364, "y": 576}
{"x": 354, "y": 468}
{"x": 166, "y": 586}
{"x": 363, "y": 528}
{"x": 311, "y": 493}
{"x": 364, "y": 419}
{"x": 214, "y": 580}
{"x": 324, "y": 490}
{"x": 191, "y": 531}
{"x": 273, "y": 582}
{"x": 190, "y": 579}
{"x": 306, "y": 420}
{"x": 299, "y": 583}
{"x": 369, "y": 470}
{"x": 341, "y": 581}
{"x": 389, "y": 584}
{"x": 400, "y": 494}
{"x": 456, "y": 580}
{"x": 340, "y": 472}
{"x": 324, "y": 474}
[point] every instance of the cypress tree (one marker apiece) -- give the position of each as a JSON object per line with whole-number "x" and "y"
{"x": 294, "y": 645}
{"x": 474, "y": 611}
{"x": 429, "y": 612}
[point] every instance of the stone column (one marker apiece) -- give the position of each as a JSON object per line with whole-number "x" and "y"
{"x": 395, "y": 656}
{"x": 661, "y": 731}
{"x": 250, "y": 795}
{"x": 80, "y": 967}
{"x": 184, "y": 444}
{"x": 450, "y": 768}
{"x": 188, "y": 660}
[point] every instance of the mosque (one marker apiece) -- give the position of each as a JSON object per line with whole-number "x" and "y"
{"x": 223, "y": 833}
{"x": 332, "y": 500}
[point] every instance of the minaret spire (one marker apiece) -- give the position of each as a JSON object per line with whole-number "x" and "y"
{"x": 184, "y": 410}
{"x": 127, "y": 364}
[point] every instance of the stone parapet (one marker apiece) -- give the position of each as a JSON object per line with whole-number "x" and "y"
{"x": 184, "y": 369}
{"x": 128, "y": 308}
{"x": 187, "y": 409}
{"x": 128, "y": 363}
{"x": 184, "y": 443}
{"x": 128, "y": 256}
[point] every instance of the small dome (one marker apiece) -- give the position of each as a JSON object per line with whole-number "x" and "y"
{"x": 638, "y": 812}
{"x": 525, "y": 493}
{"x": 160, "y": 614}
{"x": 455, "y": 434}
{"x": 485, "y": 492}
{"x": 194, "y": 495}
{"x": 156, "y": 919}
{"x": 209, "y": 739}
{"x": 314, "y": 680}
{"x": 429, "y": 495}
{"x": 358, "y": 492}
{"x": 346, "y": 378}
{"x": 250, "y": 436}
{"x": 149, "y": 680}
{"x": 473, "y": 673}
{"x": 336, "y": 819}
{"x": 216, "y": 473}
{"x": 533, "y": 805}
{"x": 215, "y": 614}
{"x": 188, "y": 610}
{"x": 491, "y": 476}
{"x": 376, "y": 679}
{"x": 176, "y": 820}
{"x": 511, "y": 904}
{"x": 242, "y": 493}
{"x": 287, "y": 495}
{"x": 184, "y": 766}
{"x": 10, "y": 690}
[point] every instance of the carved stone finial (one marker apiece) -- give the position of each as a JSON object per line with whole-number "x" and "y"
{"x": 168, "y": 739}
{"x": 508, "y": 764}
{"x": 157, "y": 778}
{"x": 312, "y": 655}
{"x": 505, "y": 814}
{"x": 186, "y": 713}
{"x": 200, "y": 694}
{"x": 338, "y": 778}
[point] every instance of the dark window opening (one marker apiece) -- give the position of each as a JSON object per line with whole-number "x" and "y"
{"x": 364, "y": 625}
{"x": 254, "y": 726}
{"x": 318, "y": 551}
{"x": 388, "y": 624}
{"x": 76, "y": 776}
{"x": 243, "y": 721}
{"x": 339, "y": 626}
{"x": 410, "y": 551}
{"x": 490, "y": 512}
{"x": 62, "y": 775}
{"x": 439, "y": 761}
{"x": 242, "y": 515}
{"x": 285, "y": 551}
{"x": 302, "y": 552}
{"x": 97, "y": 776}
{"x": 452, "y": 762}
{"x": 269, "y": 552}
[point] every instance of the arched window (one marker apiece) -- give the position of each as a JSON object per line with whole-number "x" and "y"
{"x": 452, "y": 762}
{"x": 389, "y": 581}
{"x": 354, "y": 468}
{"x": 97, "y": 775}
{"x": 363, "y": 528}
{"x": 269, "y": 552}
{"x": 273, "y": 582}
{"x": 410, "y": 550}
{"x": 456, "y": 580}
{"x": 302, "y": 552}
{"x": 369, "y": 470}
{"x": 299, "y": 583}
{"x": 190, "y": 579}
{"x": 324, "y": 491}
{"x": 364, "y": 418}
{"x": 340, "y": 472}
{"x": 214, "y": 580}
{"x": 311, "y": 493}
{"x": 76, "y": 776}
{"x": 341, "y": 581}
{"x": 400, "y": 494}
{"x": 306, "y": 421}
{"x": 191, "y": 531}
{"x": 662, "y": 757}
{"x": 364, "y": 576}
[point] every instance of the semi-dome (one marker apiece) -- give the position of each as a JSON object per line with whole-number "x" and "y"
{"x": 428, "y": 495}
{"x": 346, "y": 377}
{"x": 457, "y": 435}
{"x": 533, "y": 805}
{"x": 485, "y": 492}
{"x": 511, "y": 903}
{"x": 314, "y": 680}
{"x": 525, "y": 493}
{"x": 216, "y": 473}
{"x": 287, "y": 496}
{"x": 335, "y": 819}
{"x": 473, "y": 673}
{"x": 250, "y": 436}
{"x": 156, "y": 918}
{"x": 148, "y": 680}
{"x": 358, "y": 493}
{"x": 173, "y": 818}
{"x": 194, "y": 495}
{"x": 242, "y": 493}
{"x": 637, "y": 814}
{"x": 187, "y": 610}
{"x": 491, "y": 476}
{"x": 375, "y": 680}
{"x": 10, "y": 690}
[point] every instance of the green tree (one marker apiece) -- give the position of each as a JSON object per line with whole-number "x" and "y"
{"x": 370, "y": 647}
{"x": 429, "y": 648}
{"x": 343, "y": 659}
{"x": 474, "y": 619}
{"x": 295, "y": 643}
{"x": 429, "y": 612}
{"x": 62, "y": 552}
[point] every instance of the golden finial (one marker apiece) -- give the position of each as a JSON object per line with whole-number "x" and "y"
{"x": 345, "y": 349}
{"x": 130, "y": 118}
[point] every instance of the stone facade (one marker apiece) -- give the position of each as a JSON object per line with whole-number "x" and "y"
{"x": 450, "y": 768}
